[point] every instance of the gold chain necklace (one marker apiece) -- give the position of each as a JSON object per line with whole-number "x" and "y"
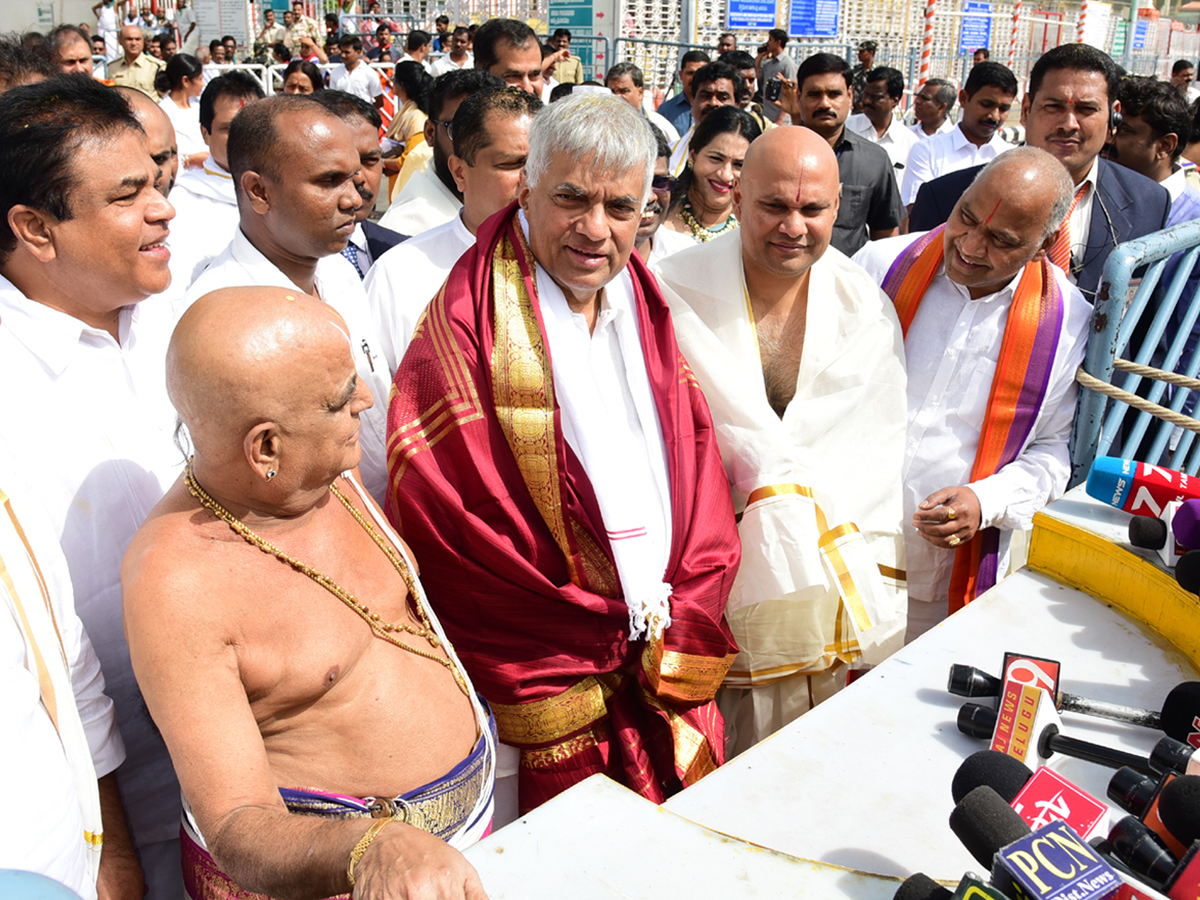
{"x": 699, "y": 232}
{"x": 379, "y": 626}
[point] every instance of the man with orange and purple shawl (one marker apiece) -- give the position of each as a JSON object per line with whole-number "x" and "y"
{"x": 993, "y": 333}
{"x": 553, "y": 465}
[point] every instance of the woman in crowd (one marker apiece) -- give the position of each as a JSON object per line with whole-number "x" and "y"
{"x": 185, "y": 80}
{"x": 702, "y": 205}
{"x": 405, "y": 138}
{"x": 302, "y": 77}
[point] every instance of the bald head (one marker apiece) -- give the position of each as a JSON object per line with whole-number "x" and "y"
{"x": 786, "y": 201}
{"x": 1007, "y": 218}
{"x": 255, "y": 364}
{"x": 161, "y": 143}
{"x": 132, "y": 42}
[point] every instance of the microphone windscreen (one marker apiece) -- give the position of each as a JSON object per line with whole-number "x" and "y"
{"x": 985, "y": 823}
{"x": 921, "y": 887}
{"x": 1148, "y": 533}
{"x": 1001, "y": 772}
{"x": 1180, "y": 711}
{"x": 1187, "y": 571}
{"x": 1179, "y": 808}
{"x": 1186, "y": 524}
{"x": 977, "y": 721}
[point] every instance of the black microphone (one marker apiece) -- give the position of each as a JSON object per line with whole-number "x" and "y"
{"x": 1180, "y": 711}
{"x": 921, "y": 887}
{"x": 1148, "y": 532}
{"x": 1142, "y": 850}
{"x": 985, "y": 823}
{"x": 1004, "y": 774}
{"x": 1179, "y": 808}
{"x": 1187, "y": 571}
{"x": 1170, "y": 755}
{"x": 980, "y": 722}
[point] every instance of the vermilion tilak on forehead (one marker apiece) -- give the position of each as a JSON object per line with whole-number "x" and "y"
{"x": 989, "y": 218}
{"x": 799, "y": 183}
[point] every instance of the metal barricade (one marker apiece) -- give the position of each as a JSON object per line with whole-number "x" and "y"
{"x": 1162, "y": 315}
{"x": 258, "y": 70}
{"x": 274, "y": 74}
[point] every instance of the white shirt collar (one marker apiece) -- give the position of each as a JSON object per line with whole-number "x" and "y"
{"x": 1003, "y": 294}
{"x": 1175, "y": 183}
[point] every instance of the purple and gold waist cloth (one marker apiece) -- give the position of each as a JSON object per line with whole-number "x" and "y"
{"x": 456, "y": 808}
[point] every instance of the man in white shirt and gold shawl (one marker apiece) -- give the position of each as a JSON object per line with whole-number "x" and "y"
{"x": 801, "y": 359}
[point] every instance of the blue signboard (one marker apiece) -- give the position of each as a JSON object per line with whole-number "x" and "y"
{"x": 570, "y": 14}
{"x": 1139, "y": 33}
{"x": 813, "y": 18}
{"x": 751, "y": 15}
{"x": 976, "y": 30}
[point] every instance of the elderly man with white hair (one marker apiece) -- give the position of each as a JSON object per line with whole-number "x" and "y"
{"x": 554, "y": 467}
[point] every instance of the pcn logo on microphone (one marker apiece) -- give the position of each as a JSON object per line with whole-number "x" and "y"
{"x": 1032, "y": 670}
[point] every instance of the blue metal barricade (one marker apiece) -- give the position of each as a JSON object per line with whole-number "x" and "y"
{"x": 1136, "y": 297}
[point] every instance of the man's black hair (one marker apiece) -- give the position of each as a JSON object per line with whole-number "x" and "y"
{"x": 822, "y": 64}
{"x": 19, "y": 64}
{"x": 346, "y": 106}
{"x": 660, "y": 141}
{"x": 621, "y": 69}
{"x": 458, "y": 83}
{"x": 1160, "y": 105}
{"x": 237, "y": 84}
{"x": 739, "y": 59}
{"x": 255, "y": 140}
{"x": 991, "y": 74}
{"x": 442, "y": 20}
{"x": 353, "y": 41}
{"x": 1079, "y": 57}
{"x": 469, "y": 132}
{"x": 1180, "y": 65}
{"x": 694, "y": 56}
{"x": 562, "y": 32}
{"x": 417, "y": 39}
{"x": 492, "y": 32}
{"x": 43, "y": 127}
{"x": 893, "y": 77}
{"x": 779, "y": 36}
{"x": 716, "y": 71}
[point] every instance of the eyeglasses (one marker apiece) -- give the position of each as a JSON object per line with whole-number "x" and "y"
{"x": 662, "y": 184}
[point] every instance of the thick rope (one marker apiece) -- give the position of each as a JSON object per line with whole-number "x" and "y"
{"x": 1139, "y": 403}
{"x": 1157, "y": 374}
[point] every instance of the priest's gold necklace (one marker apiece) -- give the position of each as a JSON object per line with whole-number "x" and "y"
{"x": 379, "y": 626}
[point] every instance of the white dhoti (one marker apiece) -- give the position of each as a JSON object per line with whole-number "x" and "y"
{"x": 821, "y": 584}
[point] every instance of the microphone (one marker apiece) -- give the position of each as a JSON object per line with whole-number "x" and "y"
{"x": 1184, "y": 884}
{"x": 921, "y": 887}
{"x": 1179, "y": 808}
{"x": 1170, "y": 755}
{"x": 1138, "y": 487}
{"x": 1185, "y": 525}
{"x": 1140, "y": 795}
{"x": 1142, "y": 850}
{"x": 1151, "y": 533}
{"x": 1039, "y": 740}
{"x": 1179, "y": 717}
{"x": 1187, "y": 571}
{"x": 999, "y": 771}
{"x": 984, "y": 823}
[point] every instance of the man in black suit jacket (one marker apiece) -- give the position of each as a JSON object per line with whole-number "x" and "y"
{"x": 380, "y": 239}
{"x": 1068, "y": 111}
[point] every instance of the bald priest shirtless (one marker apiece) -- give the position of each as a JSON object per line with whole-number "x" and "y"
{"x": 325, "y": 736}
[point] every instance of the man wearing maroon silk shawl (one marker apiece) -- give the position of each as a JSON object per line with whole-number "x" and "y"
{"x": 553, "y": 465}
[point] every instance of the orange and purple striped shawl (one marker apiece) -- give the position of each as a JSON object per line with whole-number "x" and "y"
{"x": 1031, "y": 334}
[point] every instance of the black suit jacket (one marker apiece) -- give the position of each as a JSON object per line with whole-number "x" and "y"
{"x": 380, "y": 240}
{"x": 1130, "y": 206}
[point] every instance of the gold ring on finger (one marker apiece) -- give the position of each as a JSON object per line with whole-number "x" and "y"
{"x": 951, "y": 514}
{"x": 954, "y": 540}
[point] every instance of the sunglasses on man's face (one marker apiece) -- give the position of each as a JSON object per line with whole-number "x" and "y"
{"x": 662, "y": 184}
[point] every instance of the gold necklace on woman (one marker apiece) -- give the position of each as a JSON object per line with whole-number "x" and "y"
{"x": 699, "y": 232}
{"x": 379, "y": 626}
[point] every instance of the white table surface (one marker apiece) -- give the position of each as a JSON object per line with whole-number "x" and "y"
{"x": 863, "y": 780}
{"x": 600, "y": 841}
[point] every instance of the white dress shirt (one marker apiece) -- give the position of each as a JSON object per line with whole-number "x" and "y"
{"x": 361, "y": 81}
{"x": 186, "y": 123}
{"x": 945, "y": 153}
{"x": 402, "y": 283}
{"x": 423, "y": 203}
{"x": 92, "y": 429}
{"x": 445, "y": 64}
{"x": 952, "y": 347}
{"x": 362, "y": 250}
{"x": 44, "y": 831}
{"x": 664, "y": 242}
{"x": 206, "y": 217}
{"x": 945, "y": 128}
{"x": 337, "y": 283}
{"x": 897, "y": 140}
{"x": 1081, "y": 218}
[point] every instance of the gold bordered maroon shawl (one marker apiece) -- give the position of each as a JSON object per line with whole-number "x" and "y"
{"x": 1031, "y": 333}
{"x": 513, "y": 551}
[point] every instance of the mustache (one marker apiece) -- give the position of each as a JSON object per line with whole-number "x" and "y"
{"x": 367, "y": 195}
{"x": 653, "y": 208}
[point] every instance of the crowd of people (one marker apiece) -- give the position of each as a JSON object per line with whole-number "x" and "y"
{"x": 614, "y": 445}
